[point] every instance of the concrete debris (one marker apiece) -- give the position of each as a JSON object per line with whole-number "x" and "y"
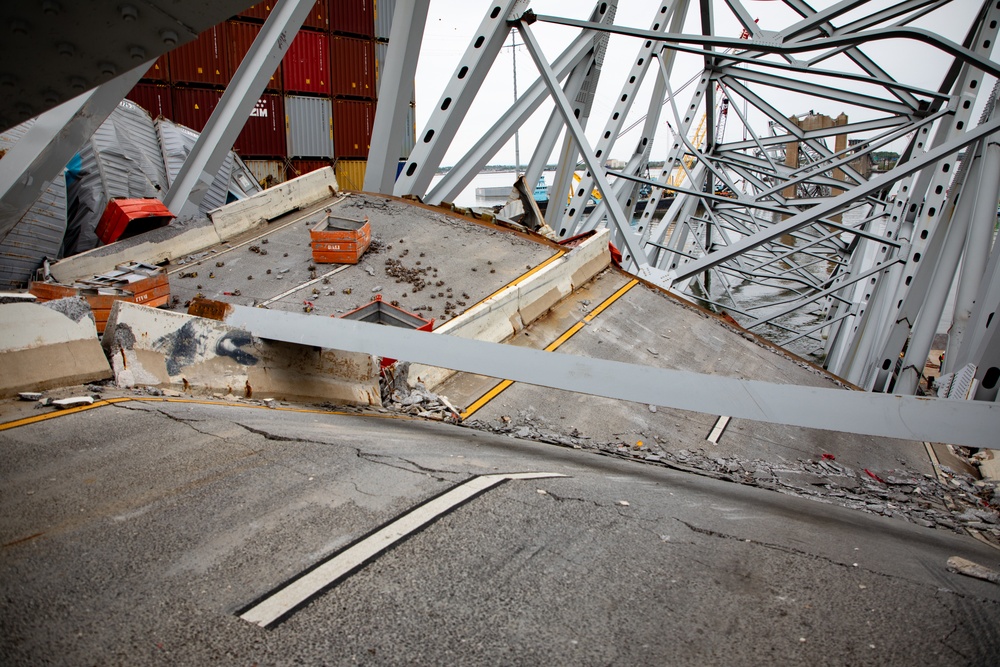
{"x": 72, "y": 402}
{"x": 952, "y": 500}
{"x": 970, "y": 569}
{"x": 419, "y": 401}
{"x": 30, "y": 395}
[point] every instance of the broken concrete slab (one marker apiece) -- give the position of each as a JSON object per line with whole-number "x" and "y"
{"x": 148, "y": 346}
{"x": 50, "y": 345}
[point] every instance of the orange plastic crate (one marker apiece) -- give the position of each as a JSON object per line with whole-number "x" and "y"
{"x": 337, "y": 240}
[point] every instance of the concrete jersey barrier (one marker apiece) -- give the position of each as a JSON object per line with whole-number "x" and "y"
{"x": 49, "y": 345}
{"x": 186, "y": 236}
{"x": 148, "y": 346}
{"x": 511, "y": 309}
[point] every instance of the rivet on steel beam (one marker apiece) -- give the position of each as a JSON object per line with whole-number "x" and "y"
{"x": 7, "y": 80}
{"x": 66, "y": 49}
{"x": 51, "y": 8}
{"x": 137, "y": 53}
{"x": 19, "y": 27}
{"x": 107, "y": 69}
{"x": 77, "y": 83}
{"x": 24, "y": 110}
{"x": 50, "y": 96}
{"x": 129, "y": 13}
{"x": 169, "y": 37}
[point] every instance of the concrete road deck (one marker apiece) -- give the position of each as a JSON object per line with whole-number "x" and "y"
{"x": 272, "y": 267}
{"x": 627, "y": 321}
{"x": 133, "y": 533}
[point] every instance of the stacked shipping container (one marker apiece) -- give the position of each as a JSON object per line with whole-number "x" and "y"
{"x": 319, "y": 106}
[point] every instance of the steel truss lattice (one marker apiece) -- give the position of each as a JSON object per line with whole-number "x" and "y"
{"x": 854, "y": 267}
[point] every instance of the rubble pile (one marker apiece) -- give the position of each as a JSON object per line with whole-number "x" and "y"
{"x": 397, "y": 396}
{"x": 951, "y": 501}
{"x": 422, "y": 403}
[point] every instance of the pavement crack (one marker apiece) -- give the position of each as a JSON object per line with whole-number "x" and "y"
{"x": 430, "y": 472}
{"x": 944, "y": 642}
{"x": 798, "y": 552}
{"x": 277, "y": 438}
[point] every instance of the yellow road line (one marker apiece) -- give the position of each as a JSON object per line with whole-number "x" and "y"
{"x": 565, "y": 336}
{"x": 51, "y": 415}
{"x": 151, "y": 399}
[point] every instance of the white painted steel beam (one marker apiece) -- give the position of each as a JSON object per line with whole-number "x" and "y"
{"x": 399, "y": 70}
{"x": 28, "y": 168}
{"x": 242, "y": 94}
{"x": 970, "y": 423}
{"x": 446, "y": 118}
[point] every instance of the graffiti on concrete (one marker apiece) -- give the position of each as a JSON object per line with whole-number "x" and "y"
{"x": 231, "y": 346}
{"x": 195, "y": 342}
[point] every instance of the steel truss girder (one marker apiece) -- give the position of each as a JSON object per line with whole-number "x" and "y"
{"x": 456, "y": 99}
{"x": 680, "y": 41}
{"x": 405, "y": 37}
{"x": 836, "y": 204}
{"x": 216, "y": 140}
{"x": 486, "y": 147}
{"x": 634, "y": 254}
{"x": 934, "y": 217}
{"x": 675, "y": 11}
{"x": 972, "y": 423}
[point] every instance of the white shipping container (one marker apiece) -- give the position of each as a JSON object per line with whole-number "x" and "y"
{"x": 267, "y": 172}
{"x": 309, "y": 124}
{"x": 384, "y": 11}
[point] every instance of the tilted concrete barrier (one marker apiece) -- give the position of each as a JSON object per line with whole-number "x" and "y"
{"x": 516, "y": 306}
{"x": 148, "y": 346}
{"x": 183, "y": 237}
{"x": 49, "y": 345}
{"x": 180, "y": 238}
{"x": 241, "y": 216}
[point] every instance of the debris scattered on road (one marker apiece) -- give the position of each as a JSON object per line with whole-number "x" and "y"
{"x": 952, "y": 501}
{"x": 970, "y": 569}
{"x": 30, "y": 395}
{"x": 72, "y": 402}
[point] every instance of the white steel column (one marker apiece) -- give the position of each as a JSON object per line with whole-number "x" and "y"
{"x": 216, "y": 140}
{"x": 436, "y": 137}
{"x": 43, "y": 152}
{"x": 400, "y": 67}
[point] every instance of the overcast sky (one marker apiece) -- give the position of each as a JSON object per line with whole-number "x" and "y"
{"x": 451, "y": 23}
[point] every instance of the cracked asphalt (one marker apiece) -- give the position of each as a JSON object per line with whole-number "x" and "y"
{"x": 132, "y": 533}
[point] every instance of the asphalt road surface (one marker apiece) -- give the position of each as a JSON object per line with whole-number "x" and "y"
{"x": 140, "y": 534}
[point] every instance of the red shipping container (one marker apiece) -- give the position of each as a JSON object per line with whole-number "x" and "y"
{"x": 352, "y": 67}
{"x": 264, "y": 132}
{"x": 202, "y": 61}
{"x": 241, "y": 37}
{"x": 260, "y": 11}
{"x": 300, "y": 167}
{"x": 307, "y": 64}
{"x": 194, "y": 106}
{"x": 318, "y": 18}
{"x": 124, "y": 218}
{"x": 154, "y": 99}
{"x": 353, "y": 17}
{"x": 159, "y": 71}
{"x": 352, "y": 127}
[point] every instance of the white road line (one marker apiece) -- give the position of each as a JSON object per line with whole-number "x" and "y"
{"x": 299, "y": 591}
{"x": 720, "y": 426}
{"x": 304, "y": 285}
